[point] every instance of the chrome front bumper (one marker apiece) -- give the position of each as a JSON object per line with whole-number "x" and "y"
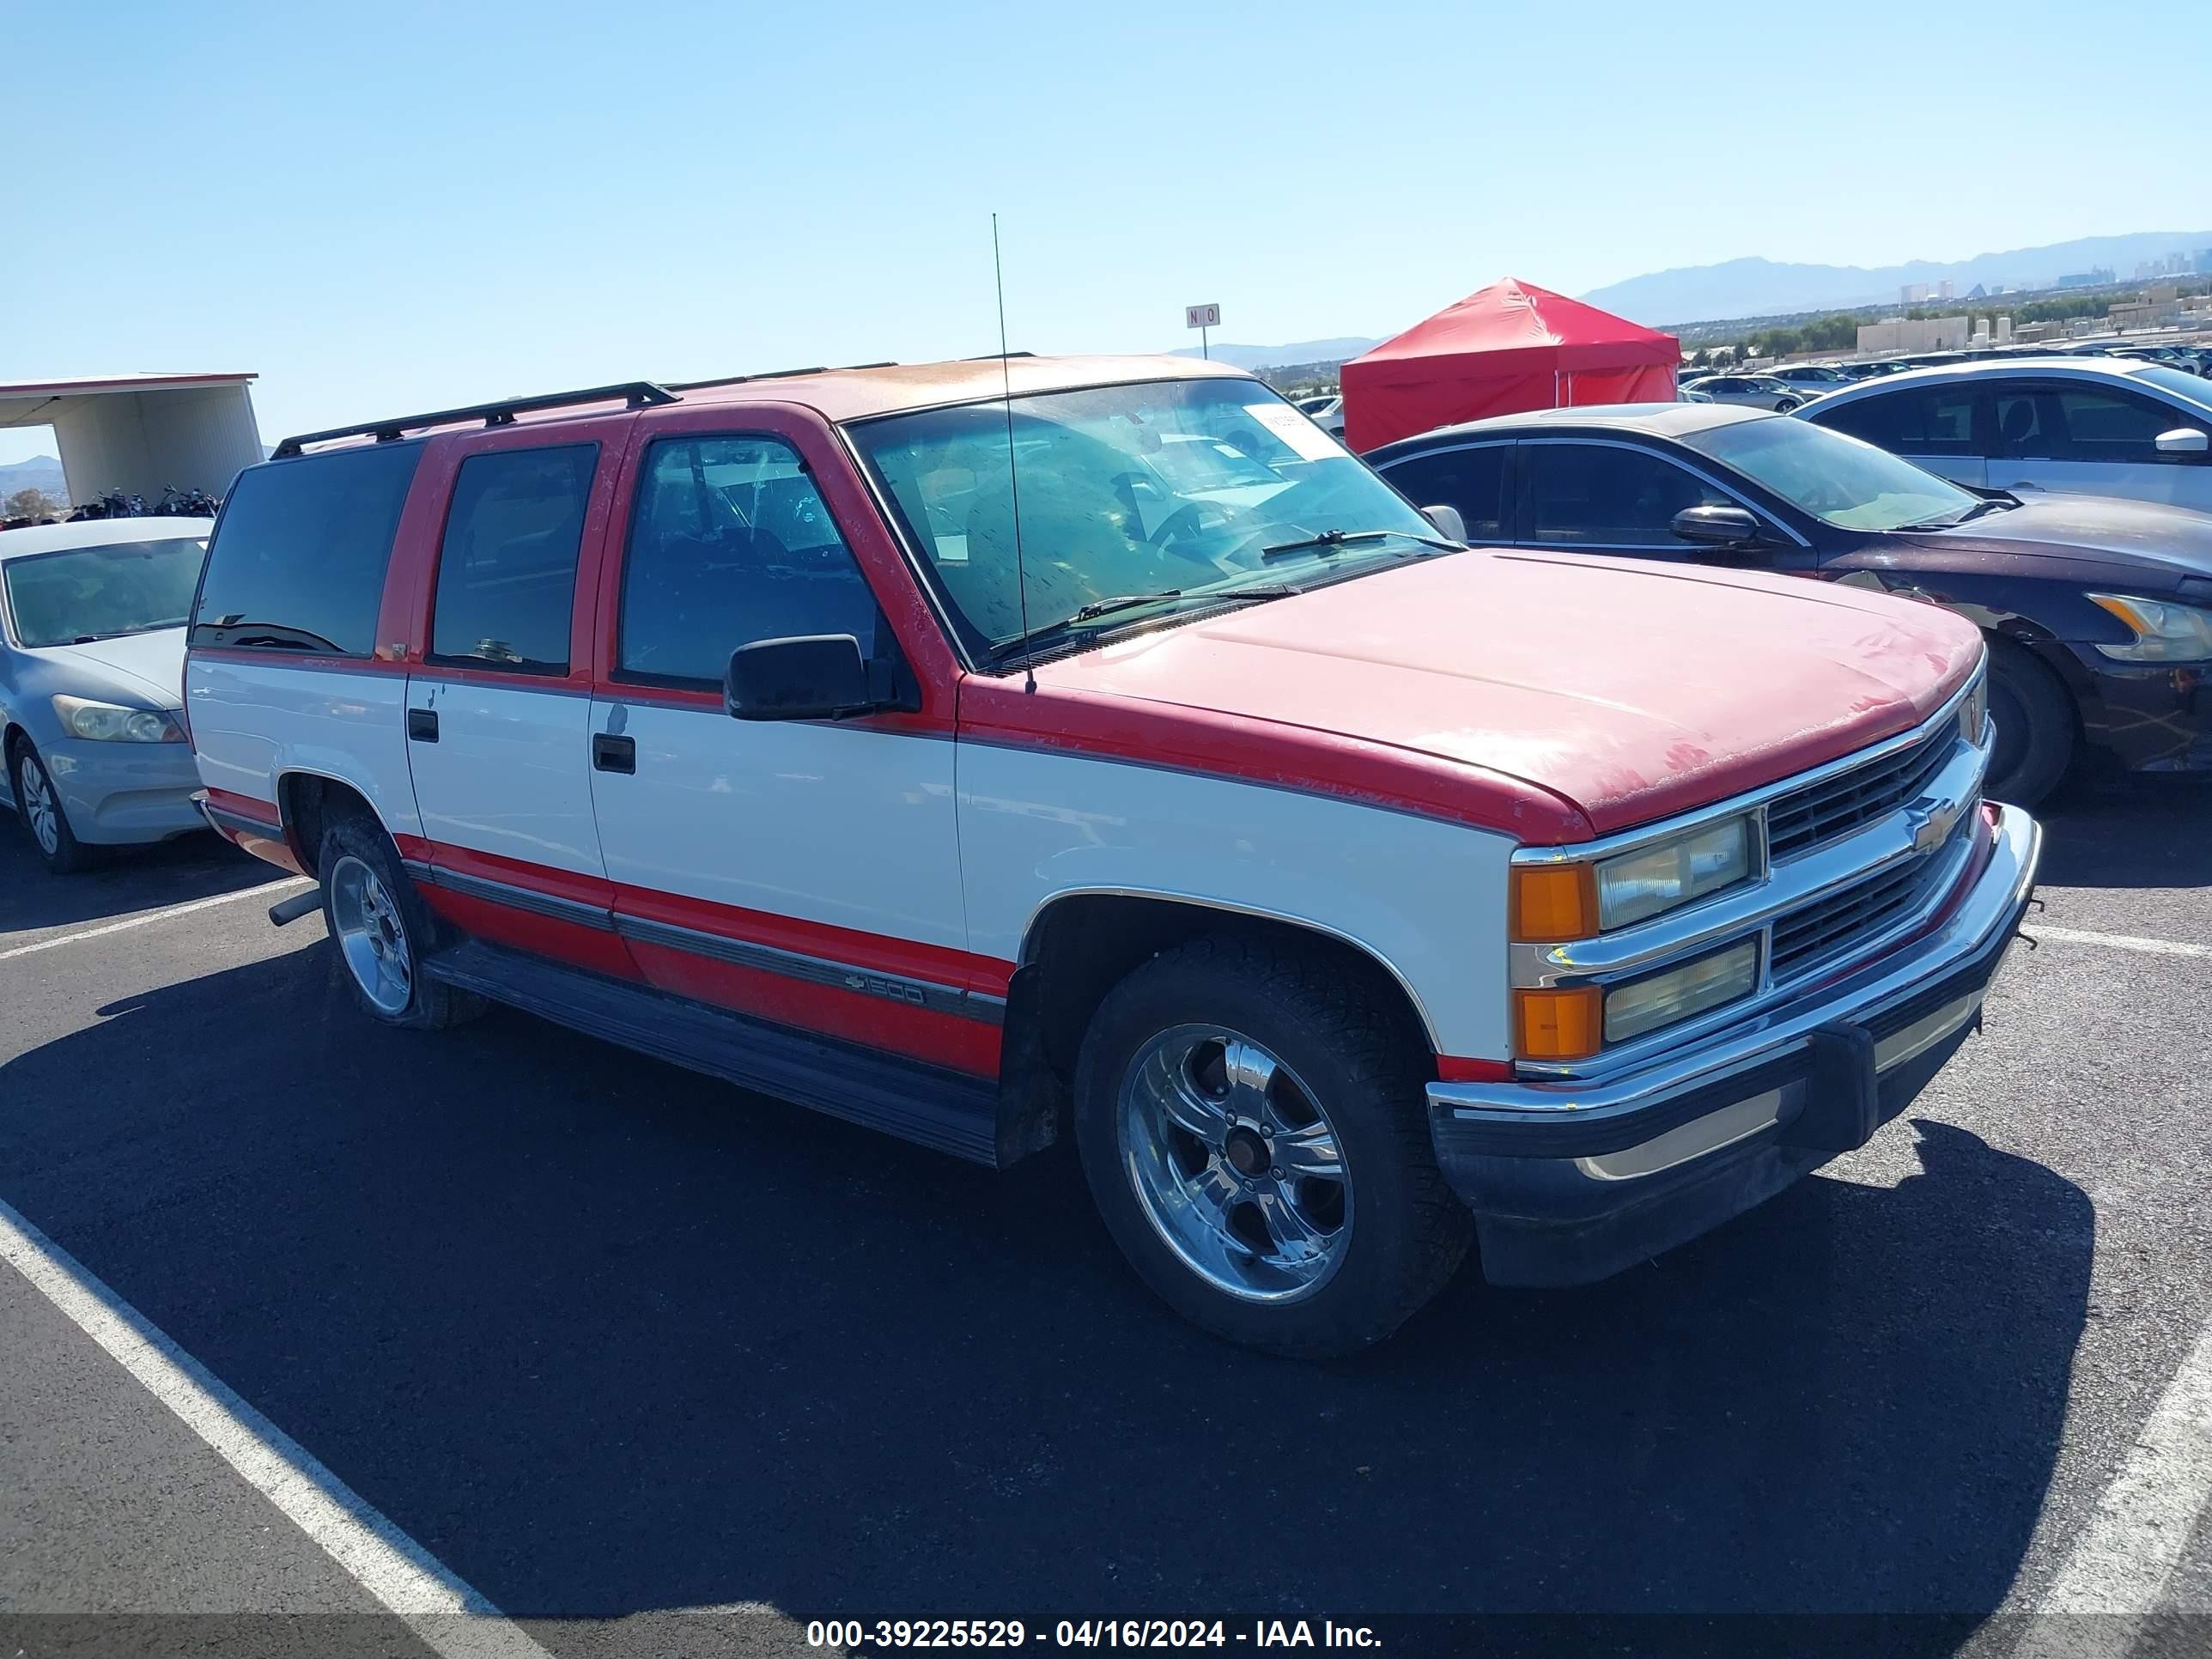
{"x": 1570, "y": 1179}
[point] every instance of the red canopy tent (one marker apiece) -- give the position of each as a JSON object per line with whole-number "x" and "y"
{"x": 1503, "y": 348}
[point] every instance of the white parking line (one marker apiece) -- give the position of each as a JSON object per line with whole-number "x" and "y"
{"x": 420, "y": 1591}
{"x": 2121, "y": 1562}
{"x": 2156, "y": 947}
{"x": 151, "y": 916}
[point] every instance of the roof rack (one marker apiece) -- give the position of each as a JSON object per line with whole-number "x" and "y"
{"x": 639, "y": 394}
{"x": 771, "y": 374}
{"x": 993, "y": 357}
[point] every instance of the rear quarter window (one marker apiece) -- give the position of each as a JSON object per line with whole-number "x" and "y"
{"x": 298, "y": 557}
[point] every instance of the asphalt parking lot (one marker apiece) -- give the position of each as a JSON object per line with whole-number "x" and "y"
{"x": 658, "y": 1367}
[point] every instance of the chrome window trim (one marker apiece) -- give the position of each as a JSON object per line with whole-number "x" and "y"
{"x": 1734, "y": 493}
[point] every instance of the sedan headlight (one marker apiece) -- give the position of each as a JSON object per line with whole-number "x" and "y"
{"x": 1671, "y": 873}
{"x": 2164, "y": 632}
{"x": 108, "y": 722}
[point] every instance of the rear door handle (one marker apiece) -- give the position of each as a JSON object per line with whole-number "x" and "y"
{"x": 613, "y": 754}
{"x": 423, "y": 724}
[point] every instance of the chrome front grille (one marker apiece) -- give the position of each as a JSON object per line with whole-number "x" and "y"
{"x": 1835, "y": 806}
{"x": 1830, "y": 928}
{"x": 1860, "y": 856}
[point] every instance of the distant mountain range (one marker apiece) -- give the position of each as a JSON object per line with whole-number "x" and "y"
{"x": 1302, "y": 351}
{"x": 40, "y": 472}
{"x": 1762, "y": 288}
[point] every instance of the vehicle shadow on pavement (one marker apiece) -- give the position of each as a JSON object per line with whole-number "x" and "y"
{"x": 607, "y": 1339}
{"x": 173, "y": 872}
{"x": 2143, "y": 831}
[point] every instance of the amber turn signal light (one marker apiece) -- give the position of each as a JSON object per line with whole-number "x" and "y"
{"x": 1552, "y": 902}
{"x": 1558, "y": 1024}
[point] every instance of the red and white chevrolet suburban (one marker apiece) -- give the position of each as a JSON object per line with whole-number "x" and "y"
{"x": 989, "y": 751}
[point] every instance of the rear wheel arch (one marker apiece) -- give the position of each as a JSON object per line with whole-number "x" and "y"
{"x": 307, "y": 805}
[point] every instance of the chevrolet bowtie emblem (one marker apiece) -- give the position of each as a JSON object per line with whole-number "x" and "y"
{"x": 1932, "y": 822}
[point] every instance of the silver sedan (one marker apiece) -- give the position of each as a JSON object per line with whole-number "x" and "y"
{"x": 92, "y": 659}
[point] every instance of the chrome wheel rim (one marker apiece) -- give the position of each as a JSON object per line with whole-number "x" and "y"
{"x": 371, "y": 937}
{"x": 39, "y": 805}
{"x": 1235, "y": 1163}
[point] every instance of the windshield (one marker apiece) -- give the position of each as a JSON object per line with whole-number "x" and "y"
{"x": 85, "y": 594}
{"x": 1176, "y": 489}
{"x": 1839, "y": 480}
{"x": 2182, "y": 384}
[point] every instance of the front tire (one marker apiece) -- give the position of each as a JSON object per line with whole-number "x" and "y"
{"x": 40, "y": 806}
{"x": 1253, "y": 1132}
{"x": 2034, "y": 718}
{"x": 381, "y": 930}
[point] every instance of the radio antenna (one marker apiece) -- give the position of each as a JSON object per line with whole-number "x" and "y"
{"x": 1013, "y": 473}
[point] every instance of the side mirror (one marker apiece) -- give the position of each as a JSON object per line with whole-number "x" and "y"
{"x": 817, "y": 677}
{"x": 1448, "y": 522}
{"x": 1718, "y": 527}
{"x": 2182, "y": 440}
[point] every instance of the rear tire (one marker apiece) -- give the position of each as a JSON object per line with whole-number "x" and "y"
{"x": 1253, "y": 1132}
{"x": 381, "y": 930}
{"x": 39, "y": 804}
{"x": 2034, "y": 716}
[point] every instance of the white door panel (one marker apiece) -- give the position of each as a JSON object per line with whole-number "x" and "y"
{"x": 841, "y": 825}
{"x": 254, "y": 722}
{"x": 2175, "y": 485}
{"x": 510, "y": 773}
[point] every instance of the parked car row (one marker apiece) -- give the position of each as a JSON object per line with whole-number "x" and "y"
{"x": 2088, "y": 604}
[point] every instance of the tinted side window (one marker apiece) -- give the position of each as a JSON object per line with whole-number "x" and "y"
{"x": 2111, "y": 426}
{"x": 1916, "y": 421}
{"x": 298, "y": 560}
{"x": 1472, "y": 480}
{"x": 1602, "y": 496}
{"x": 730, "y": 542}
{"x": 2026, "y": 428}
{"x": 506, "y": 567}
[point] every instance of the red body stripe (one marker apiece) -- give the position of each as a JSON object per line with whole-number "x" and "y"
{"x": 924, "y": 1034}
{"x": 245, "y": 806}
{"x": 1458, "y": 1068}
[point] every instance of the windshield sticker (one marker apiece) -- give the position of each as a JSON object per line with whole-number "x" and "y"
{"x": 1311, "y": 443}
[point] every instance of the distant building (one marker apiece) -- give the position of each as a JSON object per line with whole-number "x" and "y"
{"x": 1911, "y": 294}
{"x": 2098, "y": 278}
{"x": 1916, "y": 334}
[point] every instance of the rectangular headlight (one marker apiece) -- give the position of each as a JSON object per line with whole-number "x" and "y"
{"x": 1672, "y": 872}
{"x": 1645, "y": 1005}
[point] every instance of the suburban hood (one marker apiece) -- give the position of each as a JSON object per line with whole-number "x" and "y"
{"x": 2171, "y": 541}
{"x": 1633, "y": 689}
{"x": 147, "y": 666}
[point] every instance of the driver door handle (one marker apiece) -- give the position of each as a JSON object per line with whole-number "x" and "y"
{"x": 613, "y": 754}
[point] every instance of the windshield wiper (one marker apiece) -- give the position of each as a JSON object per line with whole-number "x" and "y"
{"x": 1335, "y": 539}
{"x": 1074, "y": 620}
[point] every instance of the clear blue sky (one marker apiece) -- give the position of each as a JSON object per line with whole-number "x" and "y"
{"x": 389, "y": 206}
